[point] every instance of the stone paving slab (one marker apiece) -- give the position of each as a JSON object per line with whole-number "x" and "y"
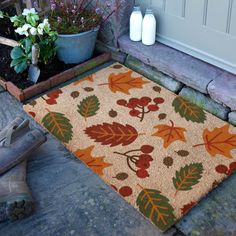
{"x": 153, "y": 74}
{"x": 205, "y": 102}
{"x": 215, "y": 215}
{"x": 232, "y": 118}
{"x": 223, "y": 89}
{"x": 187, "y": 69}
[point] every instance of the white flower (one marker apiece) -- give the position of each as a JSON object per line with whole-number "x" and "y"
{"x": 33, "y": 31}
{"x": 23, "y": 30}
{"x": 40, "y": 29}
{"x": 13, "y": 19}
{"x": 26, "y": 11}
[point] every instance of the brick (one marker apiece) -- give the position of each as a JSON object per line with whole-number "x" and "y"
{"x": 223, "y": 90}
{"x": 182, "y": 67}
{"x": 153, "y": 74}
{"x": 16, "y": 92}
{"x": 205, "y": 102}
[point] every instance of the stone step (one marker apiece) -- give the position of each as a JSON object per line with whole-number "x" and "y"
{"x": 191, "y": 71}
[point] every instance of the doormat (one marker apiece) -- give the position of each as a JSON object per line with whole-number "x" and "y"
{"x": 157, "y": 150}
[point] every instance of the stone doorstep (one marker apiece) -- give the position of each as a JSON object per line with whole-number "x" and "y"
{"x": 41, "y": 87}
{"x": 199, "y": 75}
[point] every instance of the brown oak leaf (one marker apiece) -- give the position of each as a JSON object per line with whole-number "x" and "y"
{"x": 112, "y": 134}
{"x": 97, "y": 164}
{"x": 170, "y": 134}
{"x": 123, "y": 82}
{"x": 219, "y": 141}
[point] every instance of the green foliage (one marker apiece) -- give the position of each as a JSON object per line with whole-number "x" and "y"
{"x": 21, "y": 55}
{"x": 33, "y": 30}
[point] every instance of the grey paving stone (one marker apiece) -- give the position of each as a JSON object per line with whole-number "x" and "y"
{"x": 187, "y": 69}
{"x": 205, "y": 102}
{"x": 215, "y": 214}
{"x": 232, "y": 118}
{"x": 223, "y": 89}
{"x": 153, "y": 74}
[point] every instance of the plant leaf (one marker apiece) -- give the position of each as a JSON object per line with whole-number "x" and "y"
{"x": 187, "y": 177}
{"x": 123, "y": 82}
{"x": 189, "y": 110}
{"x": 156, "y": 207}
{"x": 20, "y": 67}
{"x": 97, "y": 164}
{"x": 89, "y": 106}
{"x": 219, "y": 141}
{"x": 58, "y": 125}
{"x": 170, "y": 134}
{"x": 17, "y": 52}
{"x": 112, "y": 134}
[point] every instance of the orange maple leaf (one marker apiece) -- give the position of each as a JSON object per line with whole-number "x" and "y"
{"x": 170, "y": 134}
{"x": 219, "y": 141}
{"x": 123, "y": 82}
{"x": 87, "y": 78}
{"x": 97, "y": 164}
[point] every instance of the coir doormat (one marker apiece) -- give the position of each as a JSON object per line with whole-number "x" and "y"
{"x": 159, "y": 151}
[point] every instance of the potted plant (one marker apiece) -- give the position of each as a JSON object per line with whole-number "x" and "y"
{"x": 31, "y": 30}
{"x": 77, "y": 24}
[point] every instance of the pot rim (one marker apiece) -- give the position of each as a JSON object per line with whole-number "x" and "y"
{"x": 83, "y": 33}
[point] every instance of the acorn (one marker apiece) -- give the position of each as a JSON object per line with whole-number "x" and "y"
{"x": 168, "y": 161}
{"x": 157, "y": 89}
{"x": 74, "y": 94}
{"x": 162, "y": 116}
{"x": 182, "y": 153}
{"x": 121, "y": 176}
{"x": 88, "y": 89}
{"x": 112, "y": 113}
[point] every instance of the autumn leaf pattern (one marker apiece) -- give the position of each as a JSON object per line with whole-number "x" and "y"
{"x": 123, "y": 82}
{"x": 112, "y": 134}
{"x": 155, "y": 206}
{"x": 170, "y": 133}
{"x": 189, "y": 110}
{"x": 97, "y": 164}
{"x": 133, "y": 133}
{"x": 219, "y": 141}
{"x": 89, "y": 106}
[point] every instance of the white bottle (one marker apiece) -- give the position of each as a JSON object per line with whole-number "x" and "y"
{"x": 136, "y": 20}
{"x": 149, "y": 28}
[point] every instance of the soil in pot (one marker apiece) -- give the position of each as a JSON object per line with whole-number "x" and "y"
{"x": 20, "y": 80}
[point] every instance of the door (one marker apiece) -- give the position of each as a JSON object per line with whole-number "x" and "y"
{"x": 205, "y": 29}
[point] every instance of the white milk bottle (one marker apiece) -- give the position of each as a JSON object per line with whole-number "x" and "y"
{"x": 136, "y": 20}
{"x": 149, "y": 28}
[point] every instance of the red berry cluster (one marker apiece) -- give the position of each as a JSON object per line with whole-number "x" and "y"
{"x": 222, "y": 169}
{"x": 139, "y": 162}
{"x": 125, "y": 191}
{"x": 141, "y": 106}
{"x": 52, "y": 96}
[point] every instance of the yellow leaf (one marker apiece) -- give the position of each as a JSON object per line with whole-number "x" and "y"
{"x": 219, "y": 141}
{"x": 170, "y": 134}
{"x": 123, "y": 82}
{"x": 97, "y": 164}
